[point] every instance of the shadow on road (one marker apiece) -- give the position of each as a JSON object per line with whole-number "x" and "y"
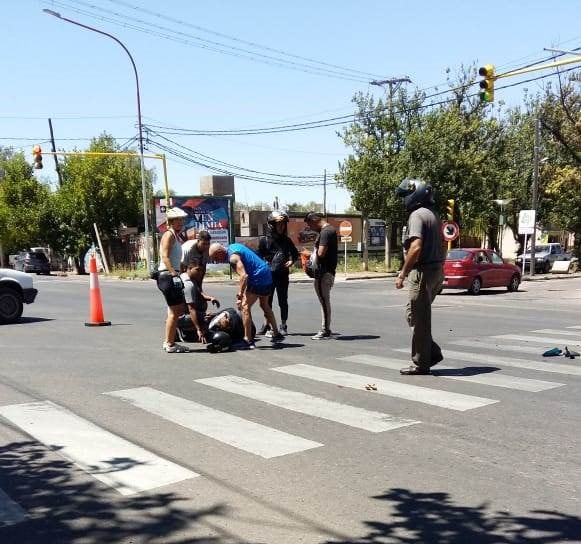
{"x": 466, "y": 371}
{"x": 415, "y": 518}
{"x": 64, "y": 506}
{"x": 27, "y": 319}
{"x": 350, "y": 337}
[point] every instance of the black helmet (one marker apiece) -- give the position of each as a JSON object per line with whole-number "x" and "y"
{"x": 219, "y": 342}
{"x": 415, "y": 193}
{"x": 277, "y": 217}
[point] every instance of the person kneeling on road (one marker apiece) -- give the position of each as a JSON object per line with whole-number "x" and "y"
{"x": 255, "y": 284}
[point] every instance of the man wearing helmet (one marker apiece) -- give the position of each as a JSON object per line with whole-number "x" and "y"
{"x": 423, "y": 266}
{"x": 278, "y": 250}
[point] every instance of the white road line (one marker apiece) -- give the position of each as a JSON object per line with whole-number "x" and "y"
{"x": 549, "y": 366}
{"x": 10, "y": 512}
{"x": 556, "y": 331}
{"x": 435, "y": 397}
{"x": 452, "y": 373}
{"x": 124, "y": 466}
{"x": 476, "y": 344}
{"x": 360, "y": 418}
{"x": 235, "y": 431}
{"x": 540, "y": 339}
{"x": 575, "y": 326}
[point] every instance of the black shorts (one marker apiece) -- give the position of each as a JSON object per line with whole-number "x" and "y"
{"x": 260, "y": 290}
{"x": 173, "y": 295}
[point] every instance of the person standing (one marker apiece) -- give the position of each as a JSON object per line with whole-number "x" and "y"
{"x": 280, "y": 253}
{"x": 168, "y": 277}
{"x": 255, "y": 284}
{"x": 326, "y": 256}
{"x": 423, "y": 266}
{"x": 195, "y": 252}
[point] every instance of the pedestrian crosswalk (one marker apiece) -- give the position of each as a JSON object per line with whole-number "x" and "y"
{"x": 130, "y": 469}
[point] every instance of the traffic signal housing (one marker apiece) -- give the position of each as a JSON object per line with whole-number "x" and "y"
{"x": 450, "y": 209}
{"x": 487, "y": 84}
{"x": 37, "y": 157}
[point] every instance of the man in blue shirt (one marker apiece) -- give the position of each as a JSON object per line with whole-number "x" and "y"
{"x": 255, "y": 284}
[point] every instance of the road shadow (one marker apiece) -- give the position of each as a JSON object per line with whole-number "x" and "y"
{"x": 348, "y": 338}
{"x": 426, "y": 518}
{"x": 64, "y": 506}
{"x": 29, "y": 319}
{"x": 466, "y": 371}
{"x": 486, "y": 292}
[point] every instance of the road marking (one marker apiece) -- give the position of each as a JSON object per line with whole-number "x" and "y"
{"x": 435, "y": 397}
{"x": 452, "y": 373}
{"x": 575, "y": 326}
{"x": 10, "y": 512}
{"x": 235, "y": 431}
{"x": 499, "y": 347}
{"x": 539, "y": 339}
{"x": 548, "y": 366}
{"x": 116, "y": 462}
{"x": 360, "y": 418}
{"x": 556, "y": 331}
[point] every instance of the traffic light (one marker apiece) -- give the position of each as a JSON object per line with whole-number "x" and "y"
{"x": 450, "y": 209}
{"x": 37, "y": 157}
{"x": 487, "y": 84}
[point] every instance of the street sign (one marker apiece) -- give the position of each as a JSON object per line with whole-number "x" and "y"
{"x": 345, "y": 228}
{"x": 526, "y": 221}
{"x": 450, "y": 230}
{"x": 346, "y": 239}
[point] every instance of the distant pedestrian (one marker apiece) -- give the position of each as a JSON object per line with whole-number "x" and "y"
{"x": 423, "y": 266}
{"x": 280, "y": 253}
{"x": 168, "y": 277}
{"x": 326, "y": 258}
{"x": 255, "y": 284}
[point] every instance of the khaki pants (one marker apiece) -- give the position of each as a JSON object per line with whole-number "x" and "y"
{"x": 323, "y": 286}
{"x": 424, "y": 285}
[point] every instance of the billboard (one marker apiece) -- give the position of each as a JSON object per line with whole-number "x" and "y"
{"x": 211, "y": 213}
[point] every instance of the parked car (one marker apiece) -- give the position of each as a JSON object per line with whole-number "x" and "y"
{"x": 475, "y": 268}
{"x": 16, "y": 289}
{"x": 545, "y": 256}
{"x": 32, "y": 261}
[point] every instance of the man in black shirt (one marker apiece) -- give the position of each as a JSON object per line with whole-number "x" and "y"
{"x": 326, "y": 258}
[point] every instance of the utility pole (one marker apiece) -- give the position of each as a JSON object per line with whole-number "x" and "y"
{"x": 325, "y": 193}
{"x": 393, "y": 84}
{"x": 53, "y": 149}
{"x": 535, "y": 191}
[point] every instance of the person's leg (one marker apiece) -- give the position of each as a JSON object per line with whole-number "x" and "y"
{"x": 282, "y": 296}
{"x": 247, "y": 302}
{"x": 171, "y": 323}
{"x": 421, "y": 307}
{"x": 265, "y": 327}
{"x": 268, "y": 313}
{"x": 327, "y": 282}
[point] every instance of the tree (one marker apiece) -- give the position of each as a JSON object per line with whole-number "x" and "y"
{"x": 311, "y": 206}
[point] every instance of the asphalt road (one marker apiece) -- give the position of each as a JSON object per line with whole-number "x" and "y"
{"x": 104, "y": 438}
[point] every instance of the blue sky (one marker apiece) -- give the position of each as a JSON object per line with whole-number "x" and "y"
{"x": 84, "y": 81}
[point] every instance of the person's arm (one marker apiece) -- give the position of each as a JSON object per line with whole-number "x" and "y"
{"x": 263, "y": 250}
{"x": 293, "y": 252}
{"x": 166, "y": 245}
{"x": 211, "y": 299}
{"x": 236, "y": 262}
{"x": 411, "y": 258}
{"x": 197, "y": 324}
{"x": 323, "y": 243}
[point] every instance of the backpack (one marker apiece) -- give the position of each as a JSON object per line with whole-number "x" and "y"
{"x": 312, "y": 266}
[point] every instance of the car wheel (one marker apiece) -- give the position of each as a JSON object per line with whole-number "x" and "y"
{"x": 546, "y": 268}
{"x": 10, "y": 305}
{"x": 514, "y": 283}
{"x": 475, "y": 286}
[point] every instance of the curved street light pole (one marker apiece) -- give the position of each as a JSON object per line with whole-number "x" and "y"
{"x": 143, "y": 187}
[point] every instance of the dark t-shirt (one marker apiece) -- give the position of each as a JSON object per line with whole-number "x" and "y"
{"x": 328, "y": 238}
{"x": 423, "y": 223}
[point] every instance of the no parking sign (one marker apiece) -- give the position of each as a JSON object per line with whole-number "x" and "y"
{"x": 450, "y": 230}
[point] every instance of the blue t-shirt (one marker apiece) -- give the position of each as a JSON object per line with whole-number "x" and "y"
{"x": 258, "y": 270}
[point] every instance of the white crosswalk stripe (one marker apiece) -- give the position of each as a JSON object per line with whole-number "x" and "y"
{"x": 434, "y": 397}
{"x": 575, "y": 326}
{"x": 10, "y": 512}
{"x": 548, "y": 366}
{"x": 485, "y": 378}
{"x": 556, "y": 331}
{"x": 353, "y": 416}
{"x": 116, "y": 462}
{"x": 227, "y": 428}
{"x": 487, "y": 345}
{"x": 540, "y": 339}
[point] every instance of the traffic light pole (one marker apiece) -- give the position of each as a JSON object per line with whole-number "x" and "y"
{"x": 535, "y": 191}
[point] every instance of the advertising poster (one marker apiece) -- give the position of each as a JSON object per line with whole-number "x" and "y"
{"x": 211, "y": 213}
{"x": 376, "y": 236}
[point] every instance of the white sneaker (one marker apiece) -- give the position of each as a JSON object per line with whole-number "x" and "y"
{"x": 282, "y": 329}
{"x": 268, "y": 333}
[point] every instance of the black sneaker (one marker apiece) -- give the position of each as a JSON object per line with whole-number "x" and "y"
{"x": 321, "y": 335}
{"x": 414, "y": 370}
{"x": 277, "y": 338}
{"x": 247, "y": 345}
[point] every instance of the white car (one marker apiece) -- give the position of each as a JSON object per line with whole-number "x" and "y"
{"x": 16, "y": 289}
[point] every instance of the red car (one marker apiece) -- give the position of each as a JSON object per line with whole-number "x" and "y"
{"x": 473, "y": 269}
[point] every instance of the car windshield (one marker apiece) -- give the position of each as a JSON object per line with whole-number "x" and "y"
{"x": 543, "y": 249}
{"x": 457, "y": 255}
{"x": 39, "y": 255}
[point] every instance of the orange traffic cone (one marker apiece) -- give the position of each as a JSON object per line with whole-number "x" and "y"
{"x": 96, "y": 319}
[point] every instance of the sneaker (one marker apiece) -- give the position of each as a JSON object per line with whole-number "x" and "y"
{"x": 175, "y": 348}
{"x": 414, "y": 370}
{"x": 263, "y": 330}
{"x": 268, "y": 333}
{"x": 247, "y": 345}
{"x": 321, "y": 335}
{"x": 277, "y": 338}
{"x": 282, "y": 329}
